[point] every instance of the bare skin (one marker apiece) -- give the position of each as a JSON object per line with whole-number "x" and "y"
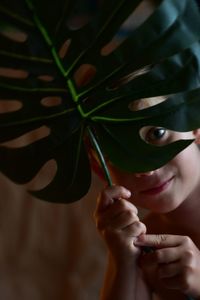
{"x": 171, "y": 193}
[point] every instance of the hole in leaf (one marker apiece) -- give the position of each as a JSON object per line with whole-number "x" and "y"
{"x": 84, "y": 74}
{"x": 127, "y": 78}
{"x": 46, "y": 78}
{"x": 44, "y": 176}
{"x": 28, "y": 138}
{"x": 110, "y": 47}
{"x": 83, "y": 12}
{"x": 7, "y": 106}
{"x": 13, "y": 33}
{"x": 78, "y": 21}
{"x": 142, "y": 12}
{"x": 51, "y": 101}
{"x": 13, "y": 73}
{"x": 145, "y": 103}
{"x": 64, "y": 48}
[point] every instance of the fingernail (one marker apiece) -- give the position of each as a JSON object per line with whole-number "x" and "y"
{"x": 137, "y": 242}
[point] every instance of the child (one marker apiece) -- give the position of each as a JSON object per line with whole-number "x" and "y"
{"x": 171, "y": 269}
{"x": 171, "y": 193}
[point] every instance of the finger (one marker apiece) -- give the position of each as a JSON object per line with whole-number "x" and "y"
{"x": 109, "y": 195}
{"x": 120, "y": 212}
{"x": 167, "y": 255}
{"x": 169, "y": 270}
{"x": 118, "y": 206}
{"x": 159, "y": 240}
{"x": 161, "y": 256}
{"x": 178, "y": 282}
{"x": 135, "y": 229}
{"x": 124, "y": 219}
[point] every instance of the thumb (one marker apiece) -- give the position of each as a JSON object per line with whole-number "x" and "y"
{"x": 158, "y": 240}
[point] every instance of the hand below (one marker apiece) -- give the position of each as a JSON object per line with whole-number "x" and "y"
{"x": 175, "y": 261}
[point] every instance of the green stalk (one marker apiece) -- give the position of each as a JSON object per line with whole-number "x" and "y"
{"x": 55, "y": 55}
{"x": 100, "y": 156}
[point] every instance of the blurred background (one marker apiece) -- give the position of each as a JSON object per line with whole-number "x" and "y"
{"x": 48, "y": 251}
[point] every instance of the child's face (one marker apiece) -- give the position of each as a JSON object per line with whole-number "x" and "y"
{"x": 164, "y": 189}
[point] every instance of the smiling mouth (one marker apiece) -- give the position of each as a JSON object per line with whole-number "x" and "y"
{"x": 158, "y": 189}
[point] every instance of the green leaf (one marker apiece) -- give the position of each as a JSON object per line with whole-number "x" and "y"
{"x": 53, "y": 66}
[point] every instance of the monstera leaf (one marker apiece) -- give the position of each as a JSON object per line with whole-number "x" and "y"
{"x": 44, "y": 48}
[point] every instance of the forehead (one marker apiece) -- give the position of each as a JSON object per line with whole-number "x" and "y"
{"x": 146, "y": 102}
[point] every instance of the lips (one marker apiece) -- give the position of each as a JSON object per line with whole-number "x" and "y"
{"x": 158, "y": 188}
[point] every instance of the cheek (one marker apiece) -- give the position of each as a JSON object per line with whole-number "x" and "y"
{"x": 187, "y": 162}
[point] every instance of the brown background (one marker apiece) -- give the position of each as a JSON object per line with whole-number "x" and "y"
{"x": 48, "y": 251}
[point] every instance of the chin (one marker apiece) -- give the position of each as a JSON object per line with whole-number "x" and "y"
{"x": 165, "y": 209}
{"x": 163, "y": 205}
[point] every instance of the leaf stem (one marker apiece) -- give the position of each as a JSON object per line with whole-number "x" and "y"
{"x": 100, "y": 156}
{"x": 72, "y": 90}
{"x": 55, "y": 55}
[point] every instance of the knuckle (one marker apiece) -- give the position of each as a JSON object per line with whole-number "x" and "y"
{"x": 136, "y": 225}
{"x": 188, "y": 256}
{"x": 159, "y": 239}
{"x": 188, "y": 270}
{"x": 137, "y": 228}
{"x": 130, "y": 214}
{"x": 142, "y": 228}
{"x": 105, "y": 193}
{"x": 126, "y": 205}
{"x": 186, "y": 240}
{"x": 122, "y": 204}
{"x": 140, "y": 224}
{"x": 121, "y": 189}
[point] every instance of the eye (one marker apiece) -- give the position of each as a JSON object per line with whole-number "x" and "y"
{"x": 154, "y": 135}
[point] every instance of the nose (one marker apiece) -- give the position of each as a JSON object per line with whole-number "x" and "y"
{"x": 144, "y": 174}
